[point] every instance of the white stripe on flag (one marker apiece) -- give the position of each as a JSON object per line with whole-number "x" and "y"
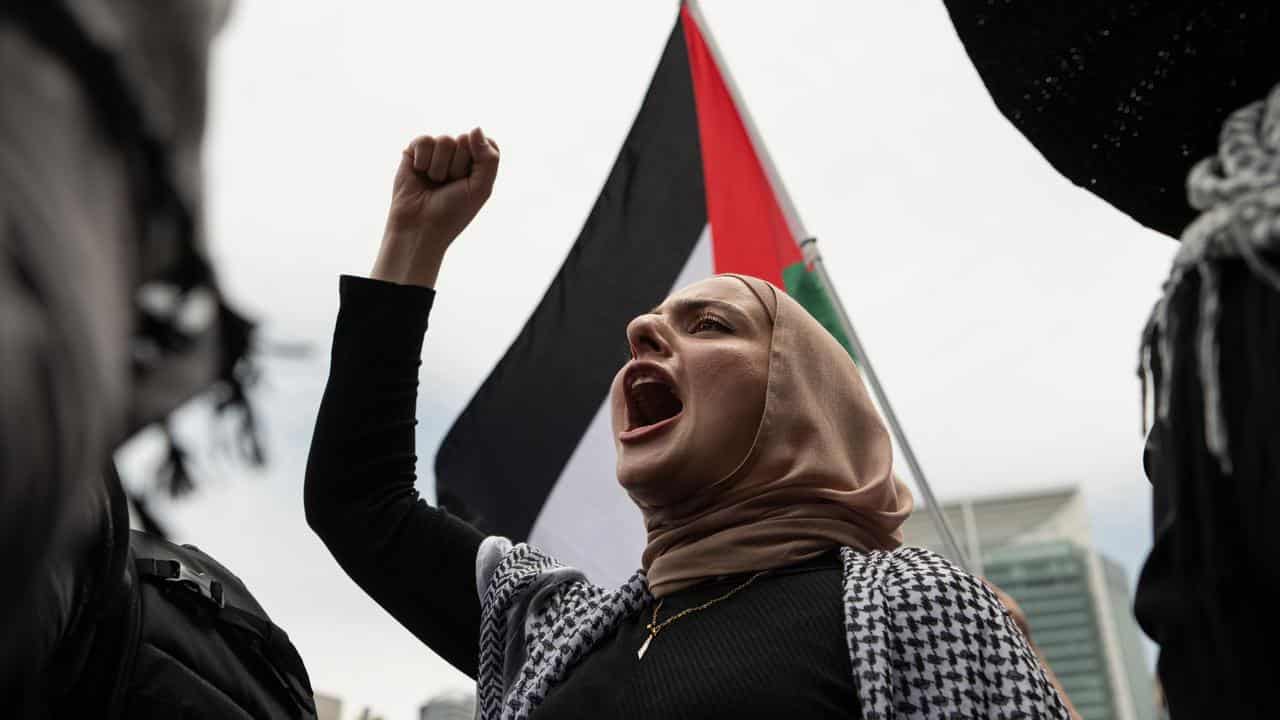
{"x": 588, "y": 521}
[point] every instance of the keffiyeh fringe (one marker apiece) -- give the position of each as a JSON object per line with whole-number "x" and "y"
{"x": 1238, "y": 193}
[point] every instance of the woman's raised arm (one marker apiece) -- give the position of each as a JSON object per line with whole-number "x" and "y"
{"x": 417, "y": 561}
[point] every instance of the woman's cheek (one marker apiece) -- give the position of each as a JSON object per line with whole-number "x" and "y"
{"x": 735, "y": 386}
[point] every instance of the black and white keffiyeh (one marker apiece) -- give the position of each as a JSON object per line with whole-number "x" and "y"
{"x": 926, "y": 639}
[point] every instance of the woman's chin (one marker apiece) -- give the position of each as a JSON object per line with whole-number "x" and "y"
{"x": 631, "y": 478}
{"x": 641, "y": 475}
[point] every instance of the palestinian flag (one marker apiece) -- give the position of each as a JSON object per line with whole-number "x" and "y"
{"x": 690, "y": 195}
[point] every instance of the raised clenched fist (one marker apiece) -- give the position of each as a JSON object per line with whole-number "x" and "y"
{"x": 441, "y": 184}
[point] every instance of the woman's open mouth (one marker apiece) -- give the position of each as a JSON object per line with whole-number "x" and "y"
{"x": 652, "y": 401}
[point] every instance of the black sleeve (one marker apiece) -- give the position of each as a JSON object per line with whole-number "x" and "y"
{"x": 417, "y": 561}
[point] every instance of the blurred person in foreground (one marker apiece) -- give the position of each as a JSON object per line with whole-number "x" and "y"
{"x": 1209, "y": 589}
{"x": 110, "y": 318}
{"x": 773, "y": 580}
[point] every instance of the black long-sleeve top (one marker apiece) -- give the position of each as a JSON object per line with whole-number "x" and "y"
{"x": 415, "y": 560}
{"x": 776, "y": 647}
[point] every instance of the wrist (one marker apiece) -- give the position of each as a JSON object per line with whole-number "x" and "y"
{"x": 409, "y": 259}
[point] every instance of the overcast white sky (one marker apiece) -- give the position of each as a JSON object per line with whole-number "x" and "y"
{"x": 1000, "y": 304}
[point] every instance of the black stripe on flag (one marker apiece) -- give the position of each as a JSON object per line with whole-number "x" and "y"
{"x": 504, "y": 453}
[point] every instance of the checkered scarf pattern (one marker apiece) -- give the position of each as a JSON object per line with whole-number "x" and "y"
{"x": 926, "y": 639}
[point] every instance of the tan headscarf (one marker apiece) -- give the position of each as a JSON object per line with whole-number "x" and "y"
{"x": 819, "y": 474}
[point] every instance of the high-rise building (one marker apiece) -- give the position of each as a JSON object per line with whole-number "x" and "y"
{"x": 457, "y": 705}
{"x": 328, "y": 707}
{"x": 1036, "y": 546}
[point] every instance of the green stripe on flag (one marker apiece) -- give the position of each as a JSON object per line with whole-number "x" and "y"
{"x": 807, "y": 290}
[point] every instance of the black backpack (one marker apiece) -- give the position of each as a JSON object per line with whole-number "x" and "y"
{"x": 202, "y": 647}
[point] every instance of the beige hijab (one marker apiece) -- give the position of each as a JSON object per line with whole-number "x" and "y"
{"x": 819, "y": 474}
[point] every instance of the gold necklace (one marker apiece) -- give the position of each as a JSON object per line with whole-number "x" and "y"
{"x": 654, "y": 627}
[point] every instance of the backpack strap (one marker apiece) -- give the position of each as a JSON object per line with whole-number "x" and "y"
{"x": 96, "y": 687}
{"x": 169, "y": 570}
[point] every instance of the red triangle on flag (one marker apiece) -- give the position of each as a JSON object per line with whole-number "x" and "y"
{"x": 749, "y": 232}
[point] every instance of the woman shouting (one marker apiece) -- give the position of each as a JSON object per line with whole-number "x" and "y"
{"x": 772, "y": 580}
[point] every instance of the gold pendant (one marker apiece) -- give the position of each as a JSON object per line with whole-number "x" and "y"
{"x": 644, "y": 648}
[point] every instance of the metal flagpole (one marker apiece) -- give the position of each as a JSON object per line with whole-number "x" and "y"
{"x": 864, "y": 363}
{"x": 808, "y": 246}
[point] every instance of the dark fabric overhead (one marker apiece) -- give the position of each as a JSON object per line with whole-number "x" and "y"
{"x": 1123, "y": 97}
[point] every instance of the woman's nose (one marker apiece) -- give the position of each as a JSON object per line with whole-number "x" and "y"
{"x": 645, "y": 335}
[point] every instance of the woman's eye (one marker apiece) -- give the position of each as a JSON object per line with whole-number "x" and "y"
{"x": 709, "y": 323}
